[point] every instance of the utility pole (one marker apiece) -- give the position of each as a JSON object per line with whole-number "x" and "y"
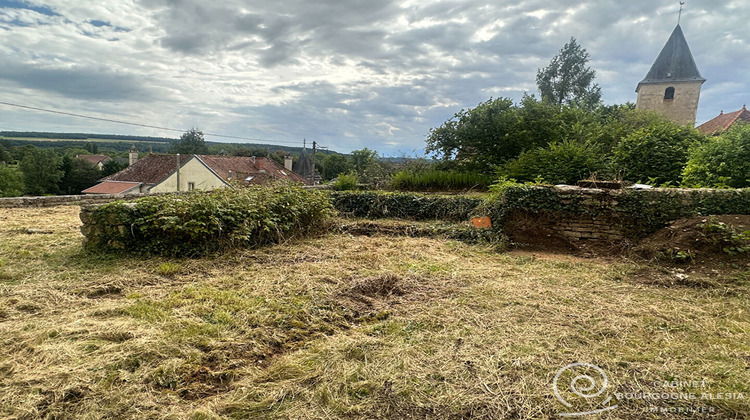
{"x": 315, "y": 145}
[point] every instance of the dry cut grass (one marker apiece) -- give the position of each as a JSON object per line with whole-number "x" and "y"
{"x": 345, "y": 326}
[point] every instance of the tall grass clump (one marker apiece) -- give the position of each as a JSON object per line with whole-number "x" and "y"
{"x": 197, "y": 223}
{"x": 435, "y": 180}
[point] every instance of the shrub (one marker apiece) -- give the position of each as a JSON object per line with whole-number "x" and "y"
{"x": 724, "y": 162}
{"x": 434, "y": 180}
{"x": 193, "y": 224}
{"x": 658, "y": 153}
{"x": 11, "y": 181}
{"x": 559, "y": 163}
{"x": 375, "y": 205}
{"x": 346, "y": 182}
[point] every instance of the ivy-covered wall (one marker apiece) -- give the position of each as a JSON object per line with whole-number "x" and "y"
{"x": 200, "y": 222}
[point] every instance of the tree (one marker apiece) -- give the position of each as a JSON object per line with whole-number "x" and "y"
{"x": 363, "y": 159}
{"x": 334, "y": 165}
{"x": 191, "y": 142}
{"x": 41, "y": 171}
{"x": 78, "y": 174}
{"x": 497, "y": 131}
{"x": 567, "y": 80}
{"x": 657, "y": 153}
{"x": 11, "y": 181}
{"x": 112, "y": 166}
{"x": 724, "y": 162}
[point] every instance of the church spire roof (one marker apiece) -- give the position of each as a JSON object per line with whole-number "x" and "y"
{"x": 675, "y": 62}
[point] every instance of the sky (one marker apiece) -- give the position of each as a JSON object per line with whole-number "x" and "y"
{"x": 348, "y": 74}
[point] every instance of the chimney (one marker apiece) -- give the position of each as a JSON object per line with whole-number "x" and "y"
{"x": 230, "y": 176}
{"x": 252, "y": 158}
{"x": 133, "y": 156}
{"x": 177, "y": 163}
{"x": 288, "y": 163}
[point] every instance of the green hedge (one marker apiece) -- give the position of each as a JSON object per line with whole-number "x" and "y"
{"x": 434, "y": 180}
{"x": 378, "y": 205}
{"x": 201, "y": 222}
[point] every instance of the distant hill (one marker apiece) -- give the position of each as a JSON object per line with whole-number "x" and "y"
{"x": 117, "y": 143}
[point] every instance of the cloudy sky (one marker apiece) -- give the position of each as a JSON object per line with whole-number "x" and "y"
{"x": 347, "y": 73}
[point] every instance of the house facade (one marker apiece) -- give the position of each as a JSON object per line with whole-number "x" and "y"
{"x": 168, "y": 173}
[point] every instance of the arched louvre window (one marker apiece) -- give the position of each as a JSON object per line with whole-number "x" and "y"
{"x": 669, "y": 93}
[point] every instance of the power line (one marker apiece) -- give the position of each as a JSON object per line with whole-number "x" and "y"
{"x": 141, "y": 125}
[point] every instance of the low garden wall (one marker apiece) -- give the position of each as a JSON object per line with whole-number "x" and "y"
{"x": 523, "y": 213}
{"x": 61, "y": 200}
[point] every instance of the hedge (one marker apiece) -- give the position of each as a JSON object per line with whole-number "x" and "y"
{"x": 413, "y": 206}
{"x": 202, "y": 222}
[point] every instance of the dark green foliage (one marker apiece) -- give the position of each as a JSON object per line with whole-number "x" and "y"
{"x": 78, "y": 174}
{"x": 250, "y": 151}
{"x": 112, "y": 166}
{"x": 567, "y": 80}
{"x": 41, "y": 171}
{"x": 497, "y": 131}
{"x": 376, "y": 205}
{"x": 92, "y": 147}
{"x": 724, "y": 162}
{"x": 657, "y": 153}
{"x": 334, "y": 165}
{"x": 559, "y": 163}
{"x": 201, "y": 222}
{"x": 191, "y": 142}
{"x": 11, "y": 181}
{"x": 434, "y": 180}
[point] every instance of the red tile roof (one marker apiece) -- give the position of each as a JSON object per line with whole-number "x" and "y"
{"x": 722, "y": 123}
{"x": 95, "y": 159}
{"x": 150, "y": 169}
{"x": 261, "y": 169}
{"x": 112, "y": 187}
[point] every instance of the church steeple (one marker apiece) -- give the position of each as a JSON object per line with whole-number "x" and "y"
{"x": 672, "y": 86}
{"x": 675, "y": 63}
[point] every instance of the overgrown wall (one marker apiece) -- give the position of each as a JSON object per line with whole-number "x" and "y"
{"x": 61, "y": 200}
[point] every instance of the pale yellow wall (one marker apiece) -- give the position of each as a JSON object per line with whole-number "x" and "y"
{"x": 682, "y": 109}
{"x": 192, "y": 171}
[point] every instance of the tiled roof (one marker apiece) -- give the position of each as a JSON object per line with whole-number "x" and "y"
{"x": 150, "y": 169}
{"x": 95, "y": 159}
{"x": 675, "y": 62}
{"x": 111, "y": 187}
{"x": 241, "y": 168}
{"x": 722, "y": 123}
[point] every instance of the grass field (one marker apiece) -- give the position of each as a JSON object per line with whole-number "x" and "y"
{"x": 360, "y": 327}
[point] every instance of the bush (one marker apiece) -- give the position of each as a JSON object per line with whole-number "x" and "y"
{"x": 657, "y": 153}
{"x": 560, "y": 163}
{"x": 434, "y": 180}
{"x": 724, "y": 162}
{"x": 345, "y": 182}
{"x": 201, "y": 222}
{"x": 376, "y": 205}
{"x": 11, "y": 181}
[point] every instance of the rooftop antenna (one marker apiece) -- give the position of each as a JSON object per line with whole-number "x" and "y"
{"x": 679, "y": 17}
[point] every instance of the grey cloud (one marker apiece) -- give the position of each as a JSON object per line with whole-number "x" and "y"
{"x": 77, "y": 82}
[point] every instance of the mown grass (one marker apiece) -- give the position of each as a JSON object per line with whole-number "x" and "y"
{"x": 345, "y": 326}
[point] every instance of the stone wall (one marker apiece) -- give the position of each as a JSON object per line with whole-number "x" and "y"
{"x": 61, "y": 200}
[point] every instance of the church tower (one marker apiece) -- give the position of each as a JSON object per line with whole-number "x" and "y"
{"x": 673, "y": 85}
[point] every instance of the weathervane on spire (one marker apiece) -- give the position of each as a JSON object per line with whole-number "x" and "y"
{"x": 679, "y": 17}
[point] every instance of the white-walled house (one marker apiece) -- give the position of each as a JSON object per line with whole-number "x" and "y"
{"x": 167, "y": 173}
